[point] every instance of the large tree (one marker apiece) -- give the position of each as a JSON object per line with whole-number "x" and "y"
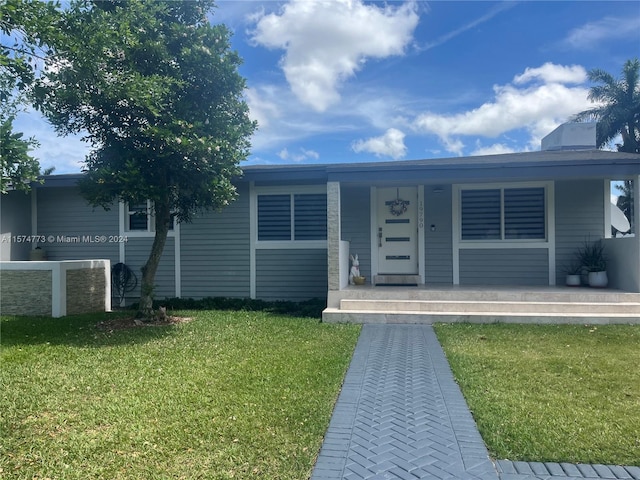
{"x": 156, "y": 88}
{"x": 618, "y": 109}
{"x": 27, "y": 27}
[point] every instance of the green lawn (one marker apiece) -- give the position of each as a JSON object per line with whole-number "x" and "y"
{"x": 226, "y": 395}
{"x": 551, "y": 393}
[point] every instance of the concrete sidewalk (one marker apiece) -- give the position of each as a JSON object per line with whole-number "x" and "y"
{"x": 400, "y": 415}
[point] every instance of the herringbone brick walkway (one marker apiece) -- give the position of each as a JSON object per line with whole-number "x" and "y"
{"x": 401, "y": 415}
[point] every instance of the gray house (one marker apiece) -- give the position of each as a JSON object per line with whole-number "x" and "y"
{"x": 510, "y": 220}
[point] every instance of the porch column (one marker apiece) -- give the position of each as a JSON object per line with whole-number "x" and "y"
{"x": 636, "y": 210}
{"x": 333, "y": 235}
{"x": 636, "y": 231}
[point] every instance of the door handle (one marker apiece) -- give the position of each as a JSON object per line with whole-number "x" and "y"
{"x": 379, "y": 237}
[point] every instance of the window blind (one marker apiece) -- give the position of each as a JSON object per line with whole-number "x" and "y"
{"x": 524, "y": 213}
{"x": 481, "y": 214}
{"x": 274, "y": 217}
{"x": 310, "y": 216}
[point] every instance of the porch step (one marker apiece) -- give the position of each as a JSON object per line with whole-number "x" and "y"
{"x": 378, "y": 305}
{"x": 336, "y": 315}
{"x": 496, "y": 307}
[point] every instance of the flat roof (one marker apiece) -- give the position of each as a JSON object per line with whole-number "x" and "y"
{"x": 523, "y": 166}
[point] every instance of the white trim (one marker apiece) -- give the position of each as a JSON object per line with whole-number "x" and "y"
{"x": 551, "y": 231}
{"x": 422, "y": 252}
{"x": 177, "y": 261}
{"x": 523, "y": 243}
{"x": 373, "y": 221}
{"x": 607, "y": 208}
{"x": 636, "y": 207}
{"x": 58, "y": 291}
{"x": 253, "y": 228}
{"x": 290, "y": 244}
{"x": 34, "y": 215}
{"x": 293, "y": 189}
{"x": 121, "y": 232}
{"x": 455, "y": 233}
{"x": 548, "y": 243}
{"x": 283, "y": 244}
{"x": 150, "y": 231}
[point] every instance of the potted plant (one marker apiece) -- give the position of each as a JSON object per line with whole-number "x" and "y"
{"x": 573, "y": 274}
{"x": 593, "y": 260}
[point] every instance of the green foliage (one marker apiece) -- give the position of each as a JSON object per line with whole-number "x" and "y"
{"x": 25, "y": 29}
{"x": 551, "y": 393}
{"x": 17, "y": 167}
{"x": 591, "y": 256}
{"x": 236, "y": 395}
{"x": 156, "y": 88}
{"x": 309, "y": 309}
{"x": 619, "y": 109}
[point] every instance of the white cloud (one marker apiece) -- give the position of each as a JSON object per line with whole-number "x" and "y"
{"x": 537, "y": 108}
{"x": 391, "y": 144}
{"x": 495, "y": 149}
{"x": 551, "y": 73}
{"x": 300, "y": 156}
{"x": 260, "y": 107}
{"x": 328, "y": 41}
{"x": 593, "y": 34}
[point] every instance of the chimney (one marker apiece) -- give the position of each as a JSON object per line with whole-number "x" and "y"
{"x": 571, "y": 136}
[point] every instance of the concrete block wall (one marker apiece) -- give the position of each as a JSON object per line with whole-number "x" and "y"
{"x": 24, "y": 292}
{"x": 55, "y": 288}
{"x": 85, "y": 290}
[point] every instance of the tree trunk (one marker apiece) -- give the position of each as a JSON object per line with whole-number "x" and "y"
{"x": 162, "y": 218}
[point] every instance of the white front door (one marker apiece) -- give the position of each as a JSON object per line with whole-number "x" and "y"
{"x": 397, "y": 232}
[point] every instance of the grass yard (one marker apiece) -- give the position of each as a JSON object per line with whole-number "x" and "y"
{"x": 551, "y": 393}
{"x": 225, "y": 395}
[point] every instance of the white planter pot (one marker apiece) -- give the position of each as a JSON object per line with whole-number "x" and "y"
{"x": 598, "y": 279}
{"x": 573, "y": 280}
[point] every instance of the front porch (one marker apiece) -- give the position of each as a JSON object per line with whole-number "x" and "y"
{"x": 426, "y": 304}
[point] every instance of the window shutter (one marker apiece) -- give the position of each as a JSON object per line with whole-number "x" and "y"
{"x": 481, "y": 214}
{"x": 138, "y": 217}
{"x": 310, "y": 216}
{"x": 524, "y": 213}
{"x": 274, "y": 217}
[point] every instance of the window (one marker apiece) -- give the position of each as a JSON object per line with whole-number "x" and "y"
{"x": 295, "y": 216}
{"x": 139, "y": 217}
{"x": 503, "y": 214}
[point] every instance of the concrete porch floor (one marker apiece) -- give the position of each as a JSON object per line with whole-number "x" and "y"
{"x": 426, "y": 304}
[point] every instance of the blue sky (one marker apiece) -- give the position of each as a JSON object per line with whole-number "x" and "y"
{"x": 357, "y": 81}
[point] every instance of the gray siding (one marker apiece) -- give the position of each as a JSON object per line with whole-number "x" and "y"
{"x": 15, "y": 219}
{"x": 64, "y": 212}
{"x": 356, "y": 224}
{"x": 579, "y": 217}
{"x": 438, "y": 244}
{"x": 291, "y": 274}
{"x": 137, "y": 253}
{"x": 215, "y": 255}
{"x": 516, "y": 266}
